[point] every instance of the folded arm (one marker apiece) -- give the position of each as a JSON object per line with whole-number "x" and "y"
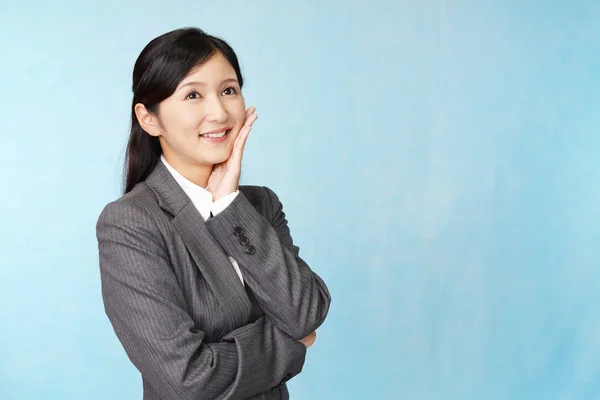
{"x": 288, "y": 291}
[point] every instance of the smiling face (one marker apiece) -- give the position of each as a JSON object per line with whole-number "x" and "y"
{"x": 197, "y": 125}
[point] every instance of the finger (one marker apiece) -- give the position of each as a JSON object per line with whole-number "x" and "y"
{"x": 249, "y": 112}
{"x": 240, "y": 141}
{"x": 244, "y": 132}
{"x": 250, "y": 117}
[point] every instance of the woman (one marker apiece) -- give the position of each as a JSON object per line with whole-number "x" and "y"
{"x": 200, "y": 278}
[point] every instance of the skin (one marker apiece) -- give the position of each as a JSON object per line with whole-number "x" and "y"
{"x": 208, "y": 99}
{"x": 309, "y": 340}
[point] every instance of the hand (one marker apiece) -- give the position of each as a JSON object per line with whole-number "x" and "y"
{"x": 225, "y": 177}
{"x": 309, "y": 340}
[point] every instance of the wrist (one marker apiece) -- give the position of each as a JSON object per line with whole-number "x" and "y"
{"x": 220, "y": 195}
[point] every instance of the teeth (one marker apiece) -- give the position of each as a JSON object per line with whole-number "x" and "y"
{"x": 214, "y": 135}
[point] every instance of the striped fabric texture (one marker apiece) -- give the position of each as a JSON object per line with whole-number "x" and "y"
{"x": 183, "y": 316}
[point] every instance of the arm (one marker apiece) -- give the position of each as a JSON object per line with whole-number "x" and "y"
{"x": 146, "y": 307}
{"x": 288, "y": 291}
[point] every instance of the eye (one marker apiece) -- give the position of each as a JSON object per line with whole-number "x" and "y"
{"x": 193, "y": 95}
{"x": 230, "y": 91}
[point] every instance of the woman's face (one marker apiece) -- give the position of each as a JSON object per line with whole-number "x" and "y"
{"x": 207, "y": 103}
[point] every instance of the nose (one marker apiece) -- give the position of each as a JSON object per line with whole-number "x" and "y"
{"x": 215, "y": 112}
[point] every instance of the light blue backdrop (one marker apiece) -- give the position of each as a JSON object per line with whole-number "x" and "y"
{"x": 438, "y": 160}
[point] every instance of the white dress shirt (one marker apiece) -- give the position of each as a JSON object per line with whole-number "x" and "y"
{"x": 203, "y": 201}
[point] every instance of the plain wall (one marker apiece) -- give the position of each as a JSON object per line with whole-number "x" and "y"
{"x": 437, "y": 160}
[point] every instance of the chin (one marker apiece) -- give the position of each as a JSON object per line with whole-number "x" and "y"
{"x": 217, "y": 158}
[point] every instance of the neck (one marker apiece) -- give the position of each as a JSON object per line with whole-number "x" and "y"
{"x": 195, "y": 173}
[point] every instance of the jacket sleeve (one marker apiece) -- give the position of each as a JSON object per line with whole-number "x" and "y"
{"x": 147, "y": 309}
{"x": 287, "y": 290}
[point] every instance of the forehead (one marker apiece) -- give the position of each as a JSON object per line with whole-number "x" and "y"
{"x": 214, "y": 70}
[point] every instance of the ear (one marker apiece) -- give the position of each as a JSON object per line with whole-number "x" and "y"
{"x": 147, "y": 120}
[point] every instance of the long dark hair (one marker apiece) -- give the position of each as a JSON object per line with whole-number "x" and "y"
{"x": 160, "y": 67}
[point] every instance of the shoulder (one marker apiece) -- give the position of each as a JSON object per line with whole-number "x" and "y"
{"x": 129, "y": 227}
{"x": 254, "y": 194}
{"x": 258, "y": 194}
{"x": 131, "y": 209}
{"x": 262, "y": 198}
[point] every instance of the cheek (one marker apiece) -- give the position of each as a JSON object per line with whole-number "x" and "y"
{"x": 190, "y": 116}
{"x": 235, "y": 107}
{"x": 238, "y": 112}
{"x": 167, "y": 116}
{"x": 182, "y": 121}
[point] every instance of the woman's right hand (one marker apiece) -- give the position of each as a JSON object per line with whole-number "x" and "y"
{"x": 309, "y": 340}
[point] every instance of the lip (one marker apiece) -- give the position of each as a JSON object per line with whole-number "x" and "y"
{"x": 219, "y": 139}
{"x": 226, "y": 128}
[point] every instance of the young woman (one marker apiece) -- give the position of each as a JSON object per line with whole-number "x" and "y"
{"x": 200, "y": 277}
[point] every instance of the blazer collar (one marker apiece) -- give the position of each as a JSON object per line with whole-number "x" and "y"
{"x": 204, "y": 249}
{"x": 170, "y": 195}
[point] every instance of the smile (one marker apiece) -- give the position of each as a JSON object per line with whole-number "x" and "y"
{"x": 215, "y": 135}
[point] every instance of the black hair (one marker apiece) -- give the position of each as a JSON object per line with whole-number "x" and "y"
{"x": 159, "y": 68}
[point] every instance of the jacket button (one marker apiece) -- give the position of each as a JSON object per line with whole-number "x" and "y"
{"x": 244, "y": 240}
{"x": 250, "y": 250}
{"x": 237, "y": 231}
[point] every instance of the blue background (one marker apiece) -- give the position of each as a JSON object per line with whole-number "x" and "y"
{"x": 438, "y": 161}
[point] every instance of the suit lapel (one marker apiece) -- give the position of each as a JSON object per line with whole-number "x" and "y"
{"x": 205, "y": 251}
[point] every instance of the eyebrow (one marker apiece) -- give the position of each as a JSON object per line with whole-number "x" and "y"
{"x": 205, "y": 84}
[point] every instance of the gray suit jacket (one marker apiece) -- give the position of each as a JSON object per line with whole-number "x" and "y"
{"x": 185, "y": 319}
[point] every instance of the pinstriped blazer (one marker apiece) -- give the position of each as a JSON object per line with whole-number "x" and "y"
{"x": 178, "y": 307}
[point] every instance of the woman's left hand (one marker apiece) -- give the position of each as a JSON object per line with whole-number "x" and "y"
{"x": 225, "y": 177}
